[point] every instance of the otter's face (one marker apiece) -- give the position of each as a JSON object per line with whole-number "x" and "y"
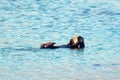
{"x": 77, "y": 39}
{"x": 76, "y": 42}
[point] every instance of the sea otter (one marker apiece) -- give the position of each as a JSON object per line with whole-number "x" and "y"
{"x": 76, "y": 42}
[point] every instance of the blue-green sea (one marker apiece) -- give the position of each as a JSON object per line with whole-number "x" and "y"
{"x": 25, "y": 24}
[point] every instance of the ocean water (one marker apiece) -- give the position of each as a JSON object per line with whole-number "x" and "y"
{"x": 25, "y": 24}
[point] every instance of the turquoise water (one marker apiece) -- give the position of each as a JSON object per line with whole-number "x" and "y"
{"x": 25, "y": 24}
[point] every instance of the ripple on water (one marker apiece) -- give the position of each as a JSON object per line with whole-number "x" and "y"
{"x": 26, "y": 24}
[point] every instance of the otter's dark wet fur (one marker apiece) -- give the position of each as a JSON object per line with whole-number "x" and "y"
{"x": 76, "y": 42}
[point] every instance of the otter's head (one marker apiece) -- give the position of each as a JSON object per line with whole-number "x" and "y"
{"x": 76, "y": 42}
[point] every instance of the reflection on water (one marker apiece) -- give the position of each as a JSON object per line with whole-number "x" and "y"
{"x": 26, "y": 24}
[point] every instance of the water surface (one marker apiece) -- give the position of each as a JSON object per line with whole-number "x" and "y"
{"x": 25, "y": 24}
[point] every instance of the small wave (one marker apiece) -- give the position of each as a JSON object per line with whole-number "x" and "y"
{"x": 108, "y": 13}
{"x": 19, "y": 49}
{"x": 96, "y": 64}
